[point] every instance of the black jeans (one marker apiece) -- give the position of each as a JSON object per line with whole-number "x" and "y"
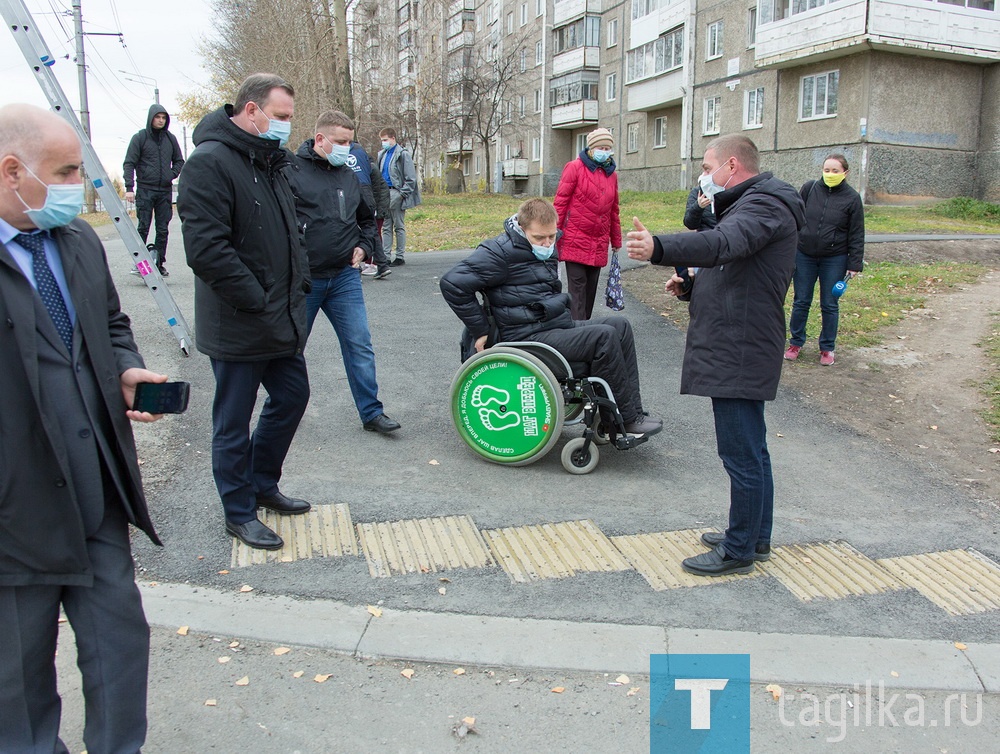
{"x": 581, "y": 282}
{"x": 147, "y": 204}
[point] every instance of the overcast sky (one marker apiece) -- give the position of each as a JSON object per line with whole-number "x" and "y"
{"x": 161, "y": 40}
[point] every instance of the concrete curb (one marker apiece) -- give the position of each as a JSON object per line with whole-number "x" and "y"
{"x": 802, "y": 659}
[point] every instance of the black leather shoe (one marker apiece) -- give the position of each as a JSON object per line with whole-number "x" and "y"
{"x": 398, "y": 262}
{"x": 382, "y": 424}
{"x": 714, "y": 538}
{"x": 255, "y": 534}
{"x": 643, "y": 425}
{"x": 716, "y": 563}
{"x": 288, "y": 506}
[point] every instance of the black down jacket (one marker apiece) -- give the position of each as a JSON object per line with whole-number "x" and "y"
{"x": 835, "y": 223}
{"x": 737, "y": 332}
{"x": 243, "y": 243}
{"x": 524, "y": 293}
{"x": 153, "y": 157}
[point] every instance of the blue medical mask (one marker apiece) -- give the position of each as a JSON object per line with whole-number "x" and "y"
{"x": 62, "y": 204}
{"x": 338, "y": 154}
{"x": 601, "y": 155}
{"x": 543, "y": 252}
{"x": 279, "y": 130}
{"x": 386, "y": 145}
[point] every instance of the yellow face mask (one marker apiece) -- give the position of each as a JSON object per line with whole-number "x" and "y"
{"x": 833, "y": 179}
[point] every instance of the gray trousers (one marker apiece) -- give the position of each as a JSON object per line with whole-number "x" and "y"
{"x": 112, "y": 641}
{"x": 394, "y": 224}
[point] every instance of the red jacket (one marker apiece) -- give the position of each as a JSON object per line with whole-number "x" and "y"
{"x": 587, "y": 204}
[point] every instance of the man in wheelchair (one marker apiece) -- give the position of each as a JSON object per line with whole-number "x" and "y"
{"x": 518, "y": 274}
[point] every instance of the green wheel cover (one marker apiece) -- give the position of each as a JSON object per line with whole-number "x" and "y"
{"x": 507, "y": 406}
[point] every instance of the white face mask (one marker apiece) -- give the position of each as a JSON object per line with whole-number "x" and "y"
{"x": 708, "y": 185}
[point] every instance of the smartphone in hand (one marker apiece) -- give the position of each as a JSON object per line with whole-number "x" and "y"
{"x": 161, "y": 397}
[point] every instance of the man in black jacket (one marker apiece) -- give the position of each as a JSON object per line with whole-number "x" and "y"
{"x": 339, "y": 231}
{"x": 519, "y": 275}
{"x": 154, "y": 159}
{"x": 737, "y": 331}
{"x": 243, "y": 243}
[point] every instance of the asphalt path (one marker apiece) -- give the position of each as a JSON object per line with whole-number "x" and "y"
{"x": 831, "y": 483}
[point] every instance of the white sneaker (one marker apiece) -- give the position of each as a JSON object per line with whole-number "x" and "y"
{"x": 368, "y": 269}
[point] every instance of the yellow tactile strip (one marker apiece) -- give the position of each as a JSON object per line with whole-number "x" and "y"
{"x": 657, "y": 557}
{"x": 961, "y": 582}
{"x": 828, "y": 570}
{"x": 422, "y": 545}
{"x": 323, "y": 532}
{"x": 553, "y": 551}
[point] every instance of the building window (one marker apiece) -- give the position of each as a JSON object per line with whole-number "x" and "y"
{"x": 539, "y": 54}
{"x": 752, "y": 27}
{"x": 520, "y": 105}
{"x": 642, "y": 8}
{"x": 581, "y": 143}
{"x": 510, "y": 22}
{"x": 659, "y": 133}
{"x": 538, "y": 100}
{"x": 662, "y": 54}
{"x": 479, "y": 22}
{"x": 536, "y": 149}
{"x": 524, "y": 60}
{"x": 818, "y": 95}
{"x": 509, "y": 111}
{"x": 404, "y": 13}
{"x": 506, "y": 151}
{"x": 712, "y": 107}
{"x": 584, "y": 32}
{"x": 632, "y": 138}
{"x": 713, "y": 43}
{"x": 612, "y": 32}
{"x": 573, "y": 87}
{"x": 479, "y": 164}
{"x": 753, "y": 108}
{"x": 611, "y": 87}
{"x": 539, "y": 7}
{"x": 466, "y": 165}
{"x": 524, "y": 13}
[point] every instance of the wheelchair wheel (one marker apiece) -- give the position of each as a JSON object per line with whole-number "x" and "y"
{"x": 601, "y": 435}
{"x": 507, "y": 406}
{"x": 577, "y": 461}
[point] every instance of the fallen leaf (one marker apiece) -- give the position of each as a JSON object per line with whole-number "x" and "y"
{"x": 233, "y": 644}
{"x": 432, "y": 462}
{"x": 223, "y": 572}
{"x": 807, "y": 560}
{"x": 244, "y": 681}
{"x": 377, "y": 612}
{"x": 201, "y": 557}
{"x": 246, "y": 588}
{"x": 885, "y": 314}
{"x": 960, "y": 645}
{"x": 470, "y": 721}
{"x": 298, "y": 674}
{"x": 224, "y": 659}
{"x": 459, "y": 671}
{"x": 210, "y": 702}
{"x": 922, "y": 446}
{"x": 558, "y": 689}
{"x": 444, "y": 580}
{"x": 154, "y": 583}
{"x": 322, "y": 677}
{"x": 182, "y": 631}
{"x": 894, "y": 674}
{"x": 994, "y": 450}
{"x": 622, "y": 679}
{"x": 442, "y": 590}
{"x": 282, "y": 651}
{"x": 934, "y": 426}
{"x": 775, "y": 690}
{"x": 407, "y": 674}
{"x": 632, "y": 691}
{"x": 779, "y": 434}
{"x": 893, "y": 396}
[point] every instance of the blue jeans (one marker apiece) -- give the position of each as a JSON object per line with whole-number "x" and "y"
{"x": 343, "y": 303}
{"x": 741, "y": 436}
{"x": 828, "y": 270}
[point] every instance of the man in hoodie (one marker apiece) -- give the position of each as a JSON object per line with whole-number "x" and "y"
{"x": 518, "y": 272}
{"x": 736, "y": 338}
{"x": 153, "y": 161}
{"x": 243, "y": 243}
{"x": 339, "y": 230}
{"x": 396, "y": 166}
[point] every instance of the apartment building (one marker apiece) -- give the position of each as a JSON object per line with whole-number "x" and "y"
{"x": 909, "y": 90}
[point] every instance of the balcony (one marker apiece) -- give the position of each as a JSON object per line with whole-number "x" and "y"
{"x": 564, "y": 10}
{"x": 576, "y": 60}
{"x": 516, "y": 168}
{"x": 575, "y": 114}
{"x": 453, "y": 147}
{"x": 457, "y": 6}
{"x": 915, "y": 27}
{"x": 658, "y": 92}
{"x": 465, "y": 39}
{"x": 459, "y": 109}
{"x": 652, "y": 25}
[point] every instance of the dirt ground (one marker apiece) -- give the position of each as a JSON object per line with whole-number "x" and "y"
{"x": 917, "y": 392}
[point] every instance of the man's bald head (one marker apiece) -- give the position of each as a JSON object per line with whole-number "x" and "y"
{"x": 26, "y": 130}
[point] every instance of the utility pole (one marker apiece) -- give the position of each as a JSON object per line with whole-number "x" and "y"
{"x": 184, "y": 131}
{"x": 138, "y": 77}
{"x": 81, "y": 69}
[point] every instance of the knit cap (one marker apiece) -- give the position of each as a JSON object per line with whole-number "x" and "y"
{"x": 599, "y": 135}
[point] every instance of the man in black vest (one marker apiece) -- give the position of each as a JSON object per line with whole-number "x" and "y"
{"x": 69, "y": 476}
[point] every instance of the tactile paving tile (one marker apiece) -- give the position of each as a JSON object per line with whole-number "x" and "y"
{"x": 423, "y": 545}
{"x": 324, "y": 532}
{"x": 553, "y": 551}
{"x": 657, "y": 557}
{"x": 828, "y": 570}
{"x": 961, "y": 582}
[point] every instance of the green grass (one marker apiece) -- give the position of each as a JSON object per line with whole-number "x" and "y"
{"x": 991, "y": 387}
{"x": 883, "y": 296}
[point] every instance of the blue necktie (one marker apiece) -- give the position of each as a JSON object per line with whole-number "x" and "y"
{"x": 47, "y": 286}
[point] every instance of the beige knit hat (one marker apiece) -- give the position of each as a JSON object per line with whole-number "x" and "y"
{"x": 599, "y": 135}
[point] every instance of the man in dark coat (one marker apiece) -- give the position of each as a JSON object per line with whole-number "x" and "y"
{"x": 153, "y": 161}
{"x": 69, "y": 476}
{"x": 339, "y": 232}
{"x": 518, "y": 273}
{"x": 737, "y": 332}
{"x": 243, "y": 243}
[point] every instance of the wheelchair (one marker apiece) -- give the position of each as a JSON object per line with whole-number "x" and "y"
{"x": 511, "y": 401}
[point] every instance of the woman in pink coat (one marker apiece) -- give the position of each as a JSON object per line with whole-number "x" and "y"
{"x": 587, "y": 204}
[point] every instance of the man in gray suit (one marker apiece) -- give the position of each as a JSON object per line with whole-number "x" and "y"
{"x": 69, "y": 477}
{"x": 396, "y": 166}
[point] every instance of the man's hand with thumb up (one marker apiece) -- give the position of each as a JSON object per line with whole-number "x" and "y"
{"x": 640, "y": 242}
